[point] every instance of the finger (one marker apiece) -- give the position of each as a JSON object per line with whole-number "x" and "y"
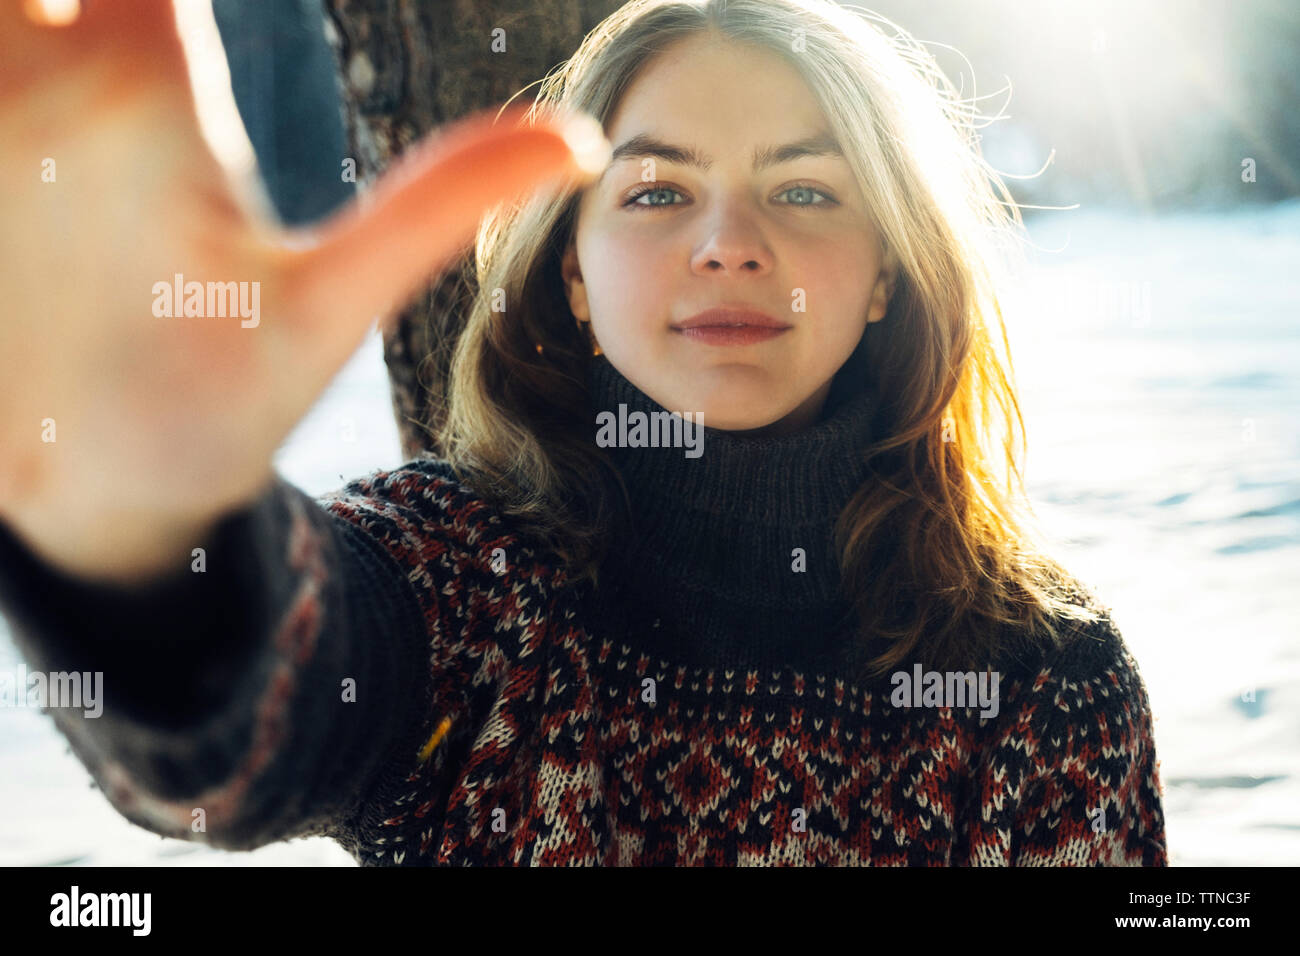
{"x": 380, "y": 251}
{"x": 41, "y": 38}
{"x": 30, "y": 44}
{"x": 136, "y": 23}
{"x": 46, "y": 13}
{"x": 140, "y": 32}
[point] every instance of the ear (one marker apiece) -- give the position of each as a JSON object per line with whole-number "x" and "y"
{"x": 574, "y": 287}
{"x": 884, "y": 289}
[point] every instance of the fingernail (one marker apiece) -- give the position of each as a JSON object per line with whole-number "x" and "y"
{"x": 52, "y": 13}
{"x": 586, "y": 141}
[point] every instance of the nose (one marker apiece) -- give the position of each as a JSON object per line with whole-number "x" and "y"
{"x": 733, "y": 243}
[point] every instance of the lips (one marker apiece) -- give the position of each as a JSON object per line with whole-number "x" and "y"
{"x": 726, "y": 317}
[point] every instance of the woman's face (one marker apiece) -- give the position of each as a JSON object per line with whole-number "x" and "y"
{"x": 791, "y": 239}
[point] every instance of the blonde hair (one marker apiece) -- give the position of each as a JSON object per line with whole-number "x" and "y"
{"x": 939, "y": 552}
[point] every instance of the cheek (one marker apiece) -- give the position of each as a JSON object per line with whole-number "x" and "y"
{"x": 838, "y": 276}
{"x": 625, "y": 277}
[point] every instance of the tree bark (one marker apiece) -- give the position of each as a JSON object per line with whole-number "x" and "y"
{"x": 404, "y": 68}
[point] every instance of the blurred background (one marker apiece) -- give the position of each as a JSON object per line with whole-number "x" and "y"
{"x": 1155, "y": 337}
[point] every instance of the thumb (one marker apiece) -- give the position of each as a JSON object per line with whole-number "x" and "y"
{"x": 373, "y": 256}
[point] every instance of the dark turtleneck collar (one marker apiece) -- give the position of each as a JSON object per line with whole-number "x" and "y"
{"x": 708, "y": 569}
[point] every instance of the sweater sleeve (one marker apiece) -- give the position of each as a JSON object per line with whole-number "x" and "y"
{"x": 259, "y": 696}
{"x": 1094, "y": 797}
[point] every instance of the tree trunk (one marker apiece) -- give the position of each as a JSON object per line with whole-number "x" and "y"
{"x": 404, "y": 68}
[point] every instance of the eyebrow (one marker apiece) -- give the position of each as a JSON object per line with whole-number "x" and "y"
{"x": 643, "y": 144}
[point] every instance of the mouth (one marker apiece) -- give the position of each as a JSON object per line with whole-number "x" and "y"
{"x": 730, "y": 334}
{"x": 731, "y": 318}
{"x": 731, "y": 326}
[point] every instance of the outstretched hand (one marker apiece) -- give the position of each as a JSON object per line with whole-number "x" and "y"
{"x": 123, "y": 409}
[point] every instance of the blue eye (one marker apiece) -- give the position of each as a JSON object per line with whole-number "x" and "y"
{"x": 651, "y": 188}
{"x": 647, "y": 191}
{"x": 811, "y": 190}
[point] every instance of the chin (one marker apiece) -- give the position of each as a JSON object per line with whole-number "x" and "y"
{"x": 733, "y": 409}
{"x": 727, "y": 419}
{"x": 728, "y": 406}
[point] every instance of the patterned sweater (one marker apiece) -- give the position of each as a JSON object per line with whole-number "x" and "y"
{"x": 392, "y": 666}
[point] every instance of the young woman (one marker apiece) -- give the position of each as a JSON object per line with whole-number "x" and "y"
{"x": 807, "y": 620}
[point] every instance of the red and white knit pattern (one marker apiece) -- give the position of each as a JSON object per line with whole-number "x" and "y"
{"x": 541, "y": 748}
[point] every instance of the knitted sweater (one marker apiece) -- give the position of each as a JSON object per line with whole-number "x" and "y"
{"x": 368, "y": 666}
